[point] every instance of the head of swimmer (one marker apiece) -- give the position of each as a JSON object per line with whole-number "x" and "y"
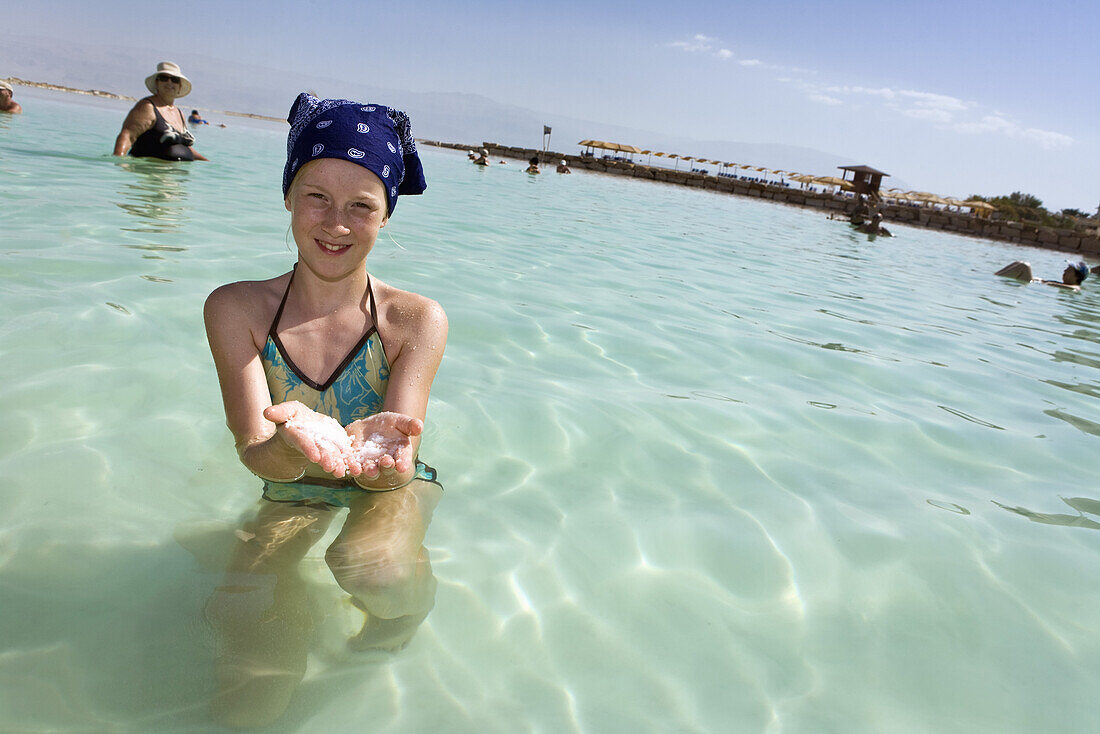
{"x": 334, "y": 204}
{"x": 1075, "y": 273}
{"x": 168, "y": 87}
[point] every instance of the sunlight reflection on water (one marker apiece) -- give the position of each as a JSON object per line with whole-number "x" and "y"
{"x": 711, "y": 464}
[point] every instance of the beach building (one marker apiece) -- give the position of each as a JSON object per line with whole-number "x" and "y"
{"x": 865, "y": 180}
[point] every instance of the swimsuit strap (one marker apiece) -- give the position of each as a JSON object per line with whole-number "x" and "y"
{"x": 373, "y": 308}
{"x": 282, "y": 303}
{"x": 164, "y": 119}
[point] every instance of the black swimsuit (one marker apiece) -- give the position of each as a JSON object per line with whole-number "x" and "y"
{"x": 149, "y": 145}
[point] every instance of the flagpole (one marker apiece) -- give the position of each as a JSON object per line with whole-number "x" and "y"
{"x": 545, "y": 141}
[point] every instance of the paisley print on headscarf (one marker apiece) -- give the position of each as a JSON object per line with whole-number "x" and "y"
{"x": 373, "y": 136}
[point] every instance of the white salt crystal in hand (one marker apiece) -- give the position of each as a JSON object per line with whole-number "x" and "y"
{"x": 323, "y": 429}
{"x": 375, "y": 447}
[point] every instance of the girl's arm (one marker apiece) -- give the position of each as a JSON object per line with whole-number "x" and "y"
{"x": 415, "y": 328}
{"x": 233, "y": 319}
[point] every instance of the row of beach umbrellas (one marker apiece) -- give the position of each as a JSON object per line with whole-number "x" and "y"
{"x": 677, "y": 157}
{"x": 926, "y": 198}
{"x": 922, "y": 197}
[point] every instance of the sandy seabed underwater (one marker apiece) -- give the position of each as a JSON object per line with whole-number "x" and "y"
{"x": 711, "y": 464}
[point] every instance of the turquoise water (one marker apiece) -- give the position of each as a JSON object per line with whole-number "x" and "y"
{"x": 712, "y": 464}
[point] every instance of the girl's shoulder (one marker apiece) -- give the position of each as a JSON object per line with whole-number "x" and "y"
{"x": 401, "y": 301}
{"x": 408, "y": 315}
{"x": 250, "y": 301}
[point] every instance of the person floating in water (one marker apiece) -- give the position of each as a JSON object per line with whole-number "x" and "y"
{"x": 483, "y": 158}
{"x": 7, "y": 103}
{"x": 155, "y": 127}
{"x": 1072, "y": 277}
{"x": 325, "y": 373}
{"x": 533, "y": 165}
{"x": 563, "y": 167}
{"x": 860, "y": 212}
{"x": 874, "y": 227}
{"x": 196, "y": 119}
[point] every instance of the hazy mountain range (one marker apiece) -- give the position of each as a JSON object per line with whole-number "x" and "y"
{"x": 467, "y": 118}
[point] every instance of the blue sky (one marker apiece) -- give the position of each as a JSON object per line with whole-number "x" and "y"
{"x": 958, "y": 98}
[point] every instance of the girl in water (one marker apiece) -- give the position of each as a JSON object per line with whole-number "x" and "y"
{"x": 325, "y": 373}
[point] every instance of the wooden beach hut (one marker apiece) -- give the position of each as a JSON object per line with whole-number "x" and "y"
{"x": 865, "y": 180}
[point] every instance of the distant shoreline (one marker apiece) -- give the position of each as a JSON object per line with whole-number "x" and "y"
{"x": 1070, "y": 241}
{"x": 1049, "y": 238}
{"x": 127, "y": 98}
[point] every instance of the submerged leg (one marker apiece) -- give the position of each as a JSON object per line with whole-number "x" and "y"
{"x": 380, "y": 559}
{"x": 261, "y": 615}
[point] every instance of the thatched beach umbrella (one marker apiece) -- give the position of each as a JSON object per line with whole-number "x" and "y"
{"x": 980, "y": 208}
{"x": 983, "y": 205}
{"x": 926, "y": 197}
{"x": 615, "y": 147}
{"x": 834, "y": 182}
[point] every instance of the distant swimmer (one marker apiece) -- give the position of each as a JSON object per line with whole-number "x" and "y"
{"x": 7, "y": 104}
{"x": 155, "y": 127}
{"x": 483, "y": 158}
{"x": 196, "y": 119}
{"x": 533, "y": 168}
{"x": 563, "y": 167}
{"x": 859, "y": 214}
{"x": 1072, "y": 277}
{"x": 875, "y": 227}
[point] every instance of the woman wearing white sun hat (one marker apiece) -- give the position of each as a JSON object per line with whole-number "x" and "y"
{"x": 155, "y": 127}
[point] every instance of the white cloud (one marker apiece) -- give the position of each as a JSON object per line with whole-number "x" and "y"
{"x": 929, "y": 100}
{"x": 988, "y": 124}
{"x": 1047, "y": 139}
{"x": 1000, "y": 125}
{"x": 698, "y": 43}
{"x": 942, "y": 111}
{"x": 940, "y": 116}
{"x": 882, "y": 92}
{"x": 751, "y": 62}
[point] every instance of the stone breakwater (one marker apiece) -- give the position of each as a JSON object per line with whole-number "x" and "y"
{"x": 1064, "y": 240}
{"x": 71, "y": 90}
{"x": 111, "y": 95}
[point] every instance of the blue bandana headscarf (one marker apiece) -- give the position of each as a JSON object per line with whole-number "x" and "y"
{"x": 373, "y": 136}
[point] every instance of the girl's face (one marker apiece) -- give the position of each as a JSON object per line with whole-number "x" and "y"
{"x": 336, "y": 210}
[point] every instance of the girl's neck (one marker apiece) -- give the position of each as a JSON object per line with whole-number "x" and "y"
{"x": 321, "y": 297}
